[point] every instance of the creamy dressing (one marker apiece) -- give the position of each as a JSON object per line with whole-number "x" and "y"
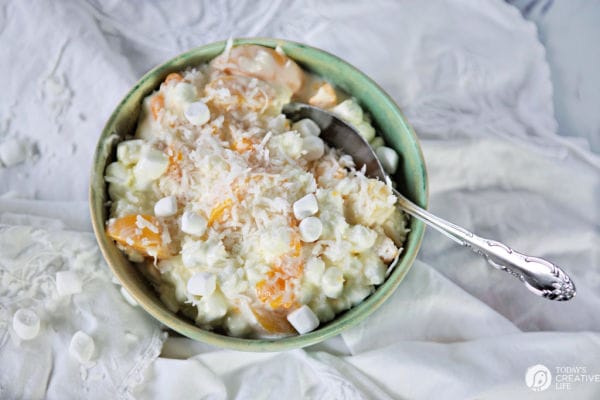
{"x": 259, "y": 219}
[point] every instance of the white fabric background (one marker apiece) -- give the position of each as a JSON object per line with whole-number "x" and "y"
{"x": 126, "y": 340}
{"x": 471, "y": 78}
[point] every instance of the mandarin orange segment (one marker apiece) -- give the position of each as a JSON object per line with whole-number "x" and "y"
{"x": 277, "y": 289}
{"x": 173, "y": 77}
{"x": 142, "y": 233}
{"x": 279, "y": 303}
{"x": 270, "y": 290}
{"x": 262, "y": 63}
{"x": 273, "y": 321}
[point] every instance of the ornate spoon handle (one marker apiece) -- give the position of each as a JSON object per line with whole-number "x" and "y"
{"x": 540, "y": 276}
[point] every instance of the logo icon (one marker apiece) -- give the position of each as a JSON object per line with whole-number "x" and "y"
{"x": 538, "y": 378}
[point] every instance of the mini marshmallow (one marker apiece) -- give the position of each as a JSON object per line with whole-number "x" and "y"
{"x": 166, "y": 207}
{"x": 82, "y": 347}
{"x": 313, "y": 271}
{"x": 118, "y": 173}
{"x": 332, "y": 282}
{"x": 303, "y": 319}
{"x": 237, "y": 325}
{"x": 386, "y": 249}
{"x": 290, "y": 143}
{"x": 212, "y": 307}
{"x": 375, "y": 272}
{"x": 388, "y": 158}
{"x": 128, "y": 298}
{"x": 361, "y": 237}
{"x": 152, "y": 164}
{"x": 13, "y": 152}
{"x": 306, "y": 206}
{"x": 26, "y": 324}
{"x": 197, "y": 113}
{"x": 193, "y": 224}
{"x": 67, "y": 283}
{"x": 365, "y": 130}
{"x": 313, "y": 148}
{"x": 202, "y": 284}
{"x": 128, "y": 151}
{"x": 311, "y": 229}
{"x": 377, "y": 142}
{"x": 278, "y": 124}
{"x": 349, "y": 111}
{"x": 307, "y": 127}
{"x": 184, "y": 92}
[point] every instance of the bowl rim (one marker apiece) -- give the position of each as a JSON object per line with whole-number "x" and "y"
{"x": 174, "y": 321}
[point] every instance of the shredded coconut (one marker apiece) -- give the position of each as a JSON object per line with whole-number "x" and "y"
{"x": 241, "y": 173}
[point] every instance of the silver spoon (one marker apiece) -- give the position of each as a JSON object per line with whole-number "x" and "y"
{"x": 540, "y": 276}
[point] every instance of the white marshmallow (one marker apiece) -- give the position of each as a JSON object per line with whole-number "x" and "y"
{"x": 117, "y": 173}
{"x": 303, "y": 319}
{"x": 307, "y": 127}
{"x": 184, "y": 92}
{"x": 357, "y": 293}
{"x": 278, "y": 124}
{"x": 237, "y": 325}
{"x": 197, "y": 113}
{"x": 193, "y": 224}
{"x": 361, "y": 237}
{"x": 26, "y": 324}
{"x": 311, "y": 229}
{"x": 128, "y": 298}
{"x": 166, "y": 207}
{"x": 313, "y": 148}
{"x": 211, "y": 307}
{"x": 365, "y": 130}
{"x": 128, "y": 151}
{"x": 13, "y": 152}
{"x": 332, "y": 282}
{"x": 202, "y": 284}
{"x": 386, "y": 249}
{"x": 349, "y": 111}
{"x": 82, "y": 347}
{"x": 152, "y": 164}
{"x": 375, "y": 272}
{"x": 377, "y": 142}
{"x": 67, "y": 283}
{"x": 288, "y": 142}
{"x": 388, "y": 158}
{"x": 306, "y": 206}
{"x": 314, "y": 270}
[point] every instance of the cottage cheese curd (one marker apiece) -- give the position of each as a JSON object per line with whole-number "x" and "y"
{"x": 245, "y": 223}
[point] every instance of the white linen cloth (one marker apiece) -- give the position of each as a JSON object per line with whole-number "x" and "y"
{"x": 471, "y": 78}
{"x": 126, "y": 340}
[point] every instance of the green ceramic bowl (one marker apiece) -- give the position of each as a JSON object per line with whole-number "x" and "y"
{"x": 411, "y": 178}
